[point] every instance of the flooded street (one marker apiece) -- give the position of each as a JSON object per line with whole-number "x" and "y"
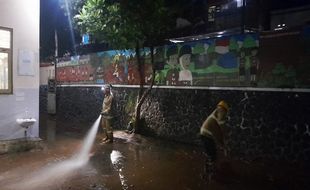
{"x": 131, "y": 162}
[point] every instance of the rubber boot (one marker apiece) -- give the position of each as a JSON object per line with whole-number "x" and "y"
{"x": 209, "y": 170}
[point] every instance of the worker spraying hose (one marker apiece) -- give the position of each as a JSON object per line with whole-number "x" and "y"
{"x": 107, "y": 116}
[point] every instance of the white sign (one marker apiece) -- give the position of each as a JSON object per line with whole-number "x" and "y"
{"x": 26, "y": 60}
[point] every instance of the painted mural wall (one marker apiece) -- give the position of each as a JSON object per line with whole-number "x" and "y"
{"x": 249, "y": 60}
{"x": 225, "y": 61}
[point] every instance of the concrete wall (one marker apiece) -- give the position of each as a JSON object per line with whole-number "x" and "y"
{"x": 262, "y": 124}
{"x": 46, "y": 72}
{"x": 23, "y": 18}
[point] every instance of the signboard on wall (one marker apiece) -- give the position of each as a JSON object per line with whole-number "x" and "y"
{"x": 26, "y": 59}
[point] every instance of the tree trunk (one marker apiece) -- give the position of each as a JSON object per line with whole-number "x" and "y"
{"x": 142, "y": 94}
{"x": 138, "y": 107}
{"x": 139, "y": 70}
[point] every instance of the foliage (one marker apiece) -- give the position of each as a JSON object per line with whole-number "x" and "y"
{"x": 279, "y": 69}
{"x": 249, "y": 42}
{"x": 199, "y": 49}
{"x": 103, "y": 21}
{"x": 233, "y": 45}
{"x": 130, "y": 106}
{"x": 282, "y": 76}
{"x": 123, "y": 23}
{"x": 71, "y": 7}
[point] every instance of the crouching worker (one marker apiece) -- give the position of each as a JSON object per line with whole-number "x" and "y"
{"x": 106, "y": 119}
{"x": 212, "y": 136}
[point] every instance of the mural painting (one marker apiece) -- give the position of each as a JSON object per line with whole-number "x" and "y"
{"x": 237, "y": 60}
{"x": 225, "y": 61}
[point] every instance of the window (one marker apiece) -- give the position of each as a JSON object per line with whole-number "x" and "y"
{"x": 5, "y": 60}
{"x": 211, "y": 12}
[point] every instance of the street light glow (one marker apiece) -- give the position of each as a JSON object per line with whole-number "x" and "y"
{"x": 239, "y": 3}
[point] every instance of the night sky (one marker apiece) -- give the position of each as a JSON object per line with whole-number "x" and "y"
{"x": 52, "y": 18}
{"x": 284, "y": 4}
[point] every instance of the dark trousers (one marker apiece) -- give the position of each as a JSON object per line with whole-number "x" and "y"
{"x": 211, "y": 152}
{"x": 210, "y": 147}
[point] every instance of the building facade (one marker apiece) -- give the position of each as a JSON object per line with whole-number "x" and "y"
{"x": 19, "y": 42}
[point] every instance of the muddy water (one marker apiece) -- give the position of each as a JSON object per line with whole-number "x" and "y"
{"x": 132, "y": 162}
{"x": 58, "y": 172}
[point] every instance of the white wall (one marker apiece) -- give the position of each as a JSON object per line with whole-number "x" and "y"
{"x": 24, "y": 17}
{"x": 46, "y": 72}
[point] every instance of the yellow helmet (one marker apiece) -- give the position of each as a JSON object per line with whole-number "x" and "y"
{"x": 223, "y": 104}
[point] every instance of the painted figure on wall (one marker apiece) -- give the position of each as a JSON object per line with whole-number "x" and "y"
{"x": 96, "y": 63}
{"x": 199, "y": 56}
{"x": 118, "y": 73}
{"x": 254, "y": 64}
{"x": 148, "y": 73}
{"x": 242, "y": 61}
{"x": 108, "y": 76}
{"x": 133, "y": 72}
{"x": 119, "y": 69}
{"x": 99, "y": 74}
{"x": 212, "y": 54}
{"x": 91, "y": 77}
{"x": 185, "y": 75}
{"x": 250, "y": 59}
{"x": 159, "y": 60}
{"x": 172, "y": 76}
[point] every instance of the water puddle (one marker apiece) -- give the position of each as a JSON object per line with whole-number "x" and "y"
{"x": 117, "y": 161}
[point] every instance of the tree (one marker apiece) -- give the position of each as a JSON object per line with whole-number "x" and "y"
{"x": 128, "y": 24}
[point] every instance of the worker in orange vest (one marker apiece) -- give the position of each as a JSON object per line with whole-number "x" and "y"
{"x": 212, "y": 135}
